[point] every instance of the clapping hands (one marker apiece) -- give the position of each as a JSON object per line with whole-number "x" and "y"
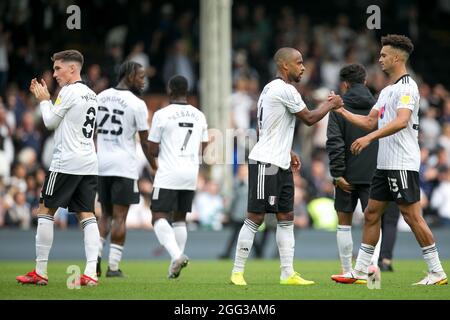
{"x": 39, "y": 90}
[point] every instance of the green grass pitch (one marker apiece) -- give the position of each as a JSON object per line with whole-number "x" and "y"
{"x": 205, "y": 280}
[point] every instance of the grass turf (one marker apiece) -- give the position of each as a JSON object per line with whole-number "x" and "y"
{"x": 205, "y": 280}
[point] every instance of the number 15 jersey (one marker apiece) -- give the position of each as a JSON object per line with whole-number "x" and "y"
{"x": 179, "y": 129}
{"x": 120, "y": 115}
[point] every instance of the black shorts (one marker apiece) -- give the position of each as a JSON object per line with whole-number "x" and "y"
{"x": 346, "y": 202}
{"x": 117, "y": 190}
{"x": 168, "y": 200}
{"x": 75, "y": 192}
{"x": 401, "y": 186}
{"x": 270, "y": 189}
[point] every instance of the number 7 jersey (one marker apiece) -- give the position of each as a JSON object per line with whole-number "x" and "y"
{"x": 121, "y": 114}
{"x": 179, "y": 129}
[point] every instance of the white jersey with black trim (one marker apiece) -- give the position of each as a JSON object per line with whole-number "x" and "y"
{"x": 179, "y": 129}
{"x": 121, "y": 114}
{"x": 399, "y": 151}
{"x": 75, "y": 109}
{"x": 276, "y": 122}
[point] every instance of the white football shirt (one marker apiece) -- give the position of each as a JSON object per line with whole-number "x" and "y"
{"x": 74, "y": 149}
{"x": 179, "y": 129}
{"x": 276, "y": 122}
{"x": 399, "y": 151}
{"x": 121, "y": 115}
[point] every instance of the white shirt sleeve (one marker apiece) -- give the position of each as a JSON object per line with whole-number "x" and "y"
{"x": 406, "y": 98}
{"x": 290, "y": 98}
{"x": 156, "y": 128}
{"x": 378, "y": 105}
{"x": 141, "y": 117}
{"x": 52, "y": 114}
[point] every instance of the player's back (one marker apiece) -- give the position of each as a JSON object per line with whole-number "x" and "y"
{"x": 74, "y": 149}
{"x": 180, "y": 129}
{"x": 120, "y": 115}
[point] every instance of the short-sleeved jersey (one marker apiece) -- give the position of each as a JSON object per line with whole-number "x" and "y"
{"x": 121, "y": 115}
{"x": 399, "y": 151}
{"x": 179, "y": 129}
{"x": 276, "y": 122}
{"x": 74, "y": 149}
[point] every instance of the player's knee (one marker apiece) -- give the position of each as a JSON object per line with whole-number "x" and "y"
{"x": 371, "y": 217}
{"x": 256, "y": 218}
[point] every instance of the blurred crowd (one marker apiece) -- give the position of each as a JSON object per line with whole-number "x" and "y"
{"x": 164, "y": 38}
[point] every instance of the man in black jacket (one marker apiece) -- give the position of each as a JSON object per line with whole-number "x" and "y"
{"x": 352, "y": 174}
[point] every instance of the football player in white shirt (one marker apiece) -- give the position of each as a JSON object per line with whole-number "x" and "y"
{"x": 121, "y": 114}
{"x": 177, "y": 133}
{"x": 397, "y": 175}
{"x": 271, "y": 163}
{"x": 72, "y": 178}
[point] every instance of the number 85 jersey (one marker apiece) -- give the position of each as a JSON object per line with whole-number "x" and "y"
{"x": 121, "y": 114}
{"x": 74, "y": 149}
{"x": 179, "y": 129}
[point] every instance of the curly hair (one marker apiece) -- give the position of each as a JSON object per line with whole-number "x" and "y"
{"x": 353, "y": 73}
{"x": 399, "y": 42}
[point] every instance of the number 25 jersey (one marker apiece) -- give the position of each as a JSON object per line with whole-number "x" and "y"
{"x": 74, "y": 149}
{"x": 179, "y": 129}
{"x": 120, "y": 115}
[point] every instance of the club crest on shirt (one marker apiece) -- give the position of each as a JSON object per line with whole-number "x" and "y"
{"x": 58, "y": 101}
{"x": 382, "y": 111}
{"x": 272, "y": 200}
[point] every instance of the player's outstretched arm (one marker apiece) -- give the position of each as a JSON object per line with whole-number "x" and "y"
{"x": 368, "y": 122}
{"x": 314, "y": 116}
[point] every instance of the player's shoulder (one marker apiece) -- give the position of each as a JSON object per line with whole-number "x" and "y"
{"x": 105, "y": 92}
{"x": 406, "y": 82}
{"x": 199, "y": 112}
{"x": 280, "y": 87}
{"x": 77, "y": 90}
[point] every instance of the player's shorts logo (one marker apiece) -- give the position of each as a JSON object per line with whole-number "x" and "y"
{"x": 272, "y": 200}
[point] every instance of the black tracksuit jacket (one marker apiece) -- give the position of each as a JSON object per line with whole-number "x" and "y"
{"x": 356, "y": 169}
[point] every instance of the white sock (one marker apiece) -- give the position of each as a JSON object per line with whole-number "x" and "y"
{"x": 286, "y": 244}
{"x": 376, "y": 252}
{"x": 364, "y": 256}
{"x": 431, "y": 257}
{"x": 345, "y": 246}
{"x": 100, "y": 246}
{"x": 244, "y": 244}
{"x": 44, "y": 240}
{"x": 91, "y": 242}
{"x": 115, "y": 255}
{"x": 180, "y": 234}
{"x": 166, "y": 237}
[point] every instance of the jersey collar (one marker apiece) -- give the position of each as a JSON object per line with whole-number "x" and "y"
{"x": 403, "y": 76}
{"x": 176, "y": 102}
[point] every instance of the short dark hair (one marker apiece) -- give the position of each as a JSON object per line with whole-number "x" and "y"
{"x": 178, "y": 86}
{"x": 399, "y": 42}
{"x": 353, "y": 73}
{"x": 69, "y": 55}
{"x": 128, "y": 68}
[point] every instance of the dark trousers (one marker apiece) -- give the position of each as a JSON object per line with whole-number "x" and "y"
{"x": 389, "y": 222}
